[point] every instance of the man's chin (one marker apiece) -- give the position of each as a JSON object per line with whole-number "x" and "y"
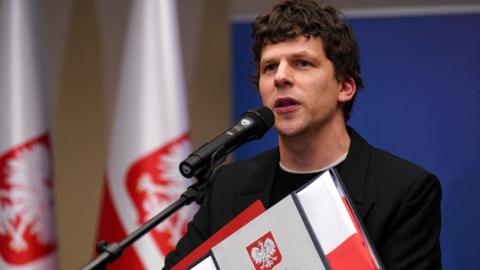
{"x": 288, "y": 131}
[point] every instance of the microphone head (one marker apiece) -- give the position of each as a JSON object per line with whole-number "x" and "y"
{"x": 263, "y": 118}
{"x": 253, "y": 125}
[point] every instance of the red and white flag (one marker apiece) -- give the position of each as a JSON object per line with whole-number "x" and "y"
{"x": 149, "y": 138}
{"x": 27, "y": 232}
{"x": 336, "y": 227}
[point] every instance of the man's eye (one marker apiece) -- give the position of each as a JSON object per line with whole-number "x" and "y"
{"x": 269, "y": 67}
{"x": 302, "y": 63}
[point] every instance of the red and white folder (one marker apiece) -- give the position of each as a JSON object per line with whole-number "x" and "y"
{"x": 313, "y": 228}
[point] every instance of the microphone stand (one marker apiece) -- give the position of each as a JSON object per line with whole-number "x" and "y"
{"x": 109, "y": 252}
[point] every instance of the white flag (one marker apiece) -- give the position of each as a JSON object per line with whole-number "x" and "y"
{"x": 149, "y": 138}
{"x": 27, "y": 233}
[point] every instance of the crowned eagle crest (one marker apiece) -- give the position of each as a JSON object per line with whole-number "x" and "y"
{"x": 264, "y": 254}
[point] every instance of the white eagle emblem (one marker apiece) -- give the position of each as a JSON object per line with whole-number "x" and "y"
{"x": 265, "y": 254}
{"x": 26, "y": 204}
{"x": 154, "y": 182}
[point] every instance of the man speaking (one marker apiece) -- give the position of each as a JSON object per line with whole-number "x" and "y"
{"x": 308, "y": 74}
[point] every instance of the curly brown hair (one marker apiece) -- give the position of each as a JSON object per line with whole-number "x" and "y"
{"x": 310, "y": 18}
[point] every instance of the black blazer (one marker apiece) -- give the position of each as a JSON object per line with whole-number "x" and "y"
{"x": 398, "y": 202}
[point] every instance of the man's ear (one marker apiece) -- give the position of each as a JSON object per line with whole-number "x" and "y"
{"x": 347, "y": 90}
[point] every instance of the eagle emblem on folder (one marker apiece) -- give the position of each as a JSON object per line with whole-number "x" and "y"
{"x": 264, "y": 252}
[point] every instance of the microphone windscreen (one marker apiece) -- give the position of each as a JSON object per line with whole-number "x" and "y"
{"x": 263, "y": 117}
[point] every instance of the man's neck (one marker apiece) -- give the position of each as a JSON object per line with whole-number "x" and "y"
{"x": 314, "y": 150}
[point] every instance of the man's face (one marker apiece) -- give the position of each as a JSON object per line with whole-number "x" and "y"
{"x": 297, "y": 81}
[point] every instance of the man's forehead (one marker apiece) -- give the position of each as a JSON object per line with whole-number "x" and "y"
{"x": 297, "y": 47}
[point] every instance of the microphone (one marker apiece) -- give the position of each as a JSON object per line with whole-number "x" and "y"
{"x": 252, "y": 126}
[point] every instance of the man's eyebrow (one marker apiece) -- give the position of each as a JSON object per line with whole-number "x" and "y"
{"x": 301, "y": 54}
{"x": 267, "y": 61}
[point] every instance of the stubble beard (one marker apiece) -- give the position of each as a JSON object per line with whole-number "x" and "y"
{"x": 301, "y": 130}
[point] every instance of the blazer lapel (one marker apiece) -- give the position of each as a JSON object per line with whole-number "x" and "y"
{"x": 353, "y": 172}
{"x": 260, "y": 182}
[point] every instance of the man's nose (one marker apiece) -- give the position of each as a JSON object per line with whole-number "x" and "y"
{"x": 283, "y": 75}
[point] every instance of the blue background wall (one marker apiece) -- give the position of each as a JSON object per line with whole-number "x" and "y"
{"x": 422, "y": 77}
